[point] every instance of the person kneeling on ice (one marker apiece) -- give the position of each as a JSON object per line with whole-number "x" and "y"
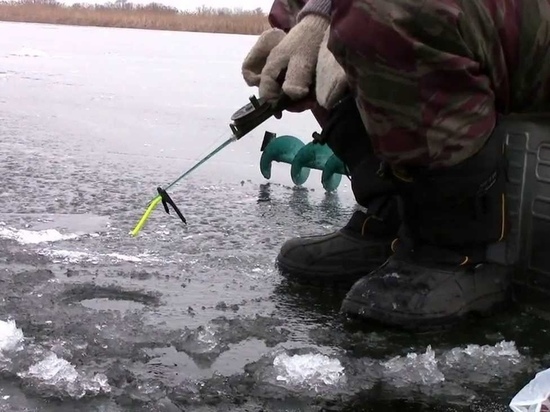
{"x": 342, "y": 257}
{"x": 429, "y": 81}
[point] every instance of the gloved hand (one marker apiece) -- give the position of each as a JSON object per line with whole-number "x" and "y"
{"x": 297, "y": 52}
{"x": 331, "y": 84}
{"x": 254, "y": 62}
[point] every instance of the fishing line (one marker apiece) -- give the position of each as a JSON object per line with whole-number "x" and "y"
{"x": 244, "y": 120}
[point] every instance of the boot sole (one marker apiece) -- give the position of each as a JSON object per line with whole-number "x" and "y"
{"x": 485, "y": 306}
{"x": 304, "y": 275}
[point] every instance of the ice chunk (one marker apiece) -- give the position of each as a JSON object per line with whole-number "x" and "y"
{"x": 53, "y": 369}
{"x": 11, "y": 337}
{"x": 483, "y": 363}
{"x": 11, "y": 341}
{"x": 414, "y": 369}
{"x": 206, "y": 339}
{"x": 57, "y": 376}
{"x": 311, "y": 370}
{"x": 479, "y": 353}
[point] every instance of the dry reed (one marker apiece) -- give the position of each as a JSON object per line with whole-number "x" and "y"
{"x": 153, "y": 16}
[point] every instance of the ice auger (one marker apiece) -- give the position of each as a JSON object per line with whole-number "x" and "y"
{"x": 289, "y": 149}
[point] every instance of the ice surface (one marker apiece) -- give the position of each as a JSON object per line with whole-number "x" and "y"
{"x": 88, "y": 152}
{"x": 29, "y": 52}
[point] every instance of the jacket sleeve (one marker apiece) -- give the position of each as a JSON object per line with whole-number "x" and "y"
{"x": 283, "y": 13}
{"x": 421, "y": 72}
{"x": 320, "y": 7}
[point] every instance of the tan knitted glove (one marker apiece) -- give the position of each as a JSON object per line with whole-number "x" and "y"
{"x": 330, "y": 83}
{"x": 254, "y": 62}
{"x": 297, "y": 53}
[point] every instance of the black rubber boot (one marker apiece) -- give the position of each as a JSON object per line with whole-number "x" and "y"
{"x": 343, "y": 256}
{"x": 440, "y": 272}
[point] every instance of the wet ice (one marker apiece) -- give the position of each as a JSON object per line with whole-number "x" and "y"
{"x": 86, "y": 136}
{"x": 29, "y": 52}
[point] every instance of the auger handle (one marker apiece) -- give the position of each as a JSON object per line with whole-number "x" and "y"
{"x": 250, "y": 116}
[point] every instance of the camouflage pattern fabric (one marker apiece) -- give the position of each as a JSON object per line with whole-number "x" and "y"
{"x": 283, "y": 13}
{"x": 431, "y": 76}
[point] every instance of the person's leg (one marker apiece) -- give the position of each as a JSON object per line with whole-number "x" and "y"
{"x": 343, "y": 256}
{"x": 429, "y": 103}
{"x": 440, "y": 270}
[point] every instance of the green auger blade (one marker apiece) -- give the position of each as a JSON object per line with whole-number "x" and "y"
{"x": 311, "y": 156}
{"x": 332, "y": 173}
{"x": 279, "y": 149}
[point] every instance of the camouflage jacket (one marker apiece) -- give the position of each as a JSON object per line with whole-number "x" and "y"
{"x": 432, "y": 76}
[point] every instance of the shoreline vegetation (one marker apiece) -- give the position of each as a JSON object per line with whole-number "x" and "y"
{"x": 123, "y": 14}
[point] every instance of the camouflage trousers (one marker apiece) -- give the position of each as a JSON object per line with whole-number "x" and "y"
{"x": 430, "y": 77}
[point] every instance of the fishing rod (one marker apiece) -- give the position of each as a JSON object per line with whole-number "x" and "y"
{"x": 243, "y": 121}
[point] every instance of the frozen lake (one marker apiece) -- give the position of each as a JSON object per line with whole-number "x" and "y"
{"x": 191, "y": 318}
